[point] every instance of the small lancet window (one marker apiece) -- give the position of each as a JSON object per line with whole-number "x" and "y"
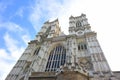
{"x": 82, "y": 46}
{"x": 78, "y": 47}
{"x": 85, "y": 46}
{"x": 78, "y": 24}
{"x": 37, "y": 51}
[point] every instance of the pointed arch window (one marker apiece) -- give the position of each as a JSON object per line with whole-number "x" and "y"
{"x": 56, "y": 58}
{"x": 36, "y": 51}
{"x": 78, "y": 24}
{"x": 82, "y": 46}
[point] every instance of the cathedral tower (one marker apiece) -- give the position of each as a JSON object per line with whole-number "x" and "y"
{"x": 56, "y": 56}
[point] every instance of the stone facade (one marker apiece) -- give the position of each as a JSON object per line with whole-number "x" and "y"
{"x": 56, "y": 56}
{"x": 68, "y": 75}
{"x": 117, "y": 74}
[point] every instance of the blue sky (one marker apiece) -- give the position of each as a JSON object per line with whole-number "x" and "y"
{"x": 20, "y": 20}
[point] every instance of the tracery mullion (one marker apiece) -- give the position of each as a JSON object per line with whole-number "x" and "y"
{"x": 61, "y": 50}
{"x": 52, "y": 59}
{"x": 49, "y": 60}
{"x": 55, "y": 61}
{"x": 63, "y": 57}
{"x": 48, "y": 64}
{"x": 56, "y": 58}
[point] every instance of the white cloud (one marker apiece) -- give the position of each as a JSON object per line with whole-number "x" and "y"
{"x": 13, "y": 27}
{"x": 2, "y": 7}
{"x": 35, "y": 16}
{"x": 10, "y": 26}
{"x": 19, "y": 12}
{"x": 26, "y": 39}
{"x": 4, "y": 4}
{"x": 6, "y": 63}
{"x": 12, "y": 47}
{"x": 43, "y": 9}
{"x": 13, "y": 50}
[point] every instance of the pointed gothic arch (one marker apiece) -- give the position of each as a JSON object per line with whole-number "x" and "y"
{"x": 82, "y": 46}
{"x": 57, "y": 58}
{"x": 78, "y": 24}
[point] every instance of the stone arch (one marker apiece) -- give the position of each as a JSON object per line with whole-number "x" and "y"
{"x": 78, "y": 24}
{"x": 56, "y": 58}
{"x": 53, "y": 45}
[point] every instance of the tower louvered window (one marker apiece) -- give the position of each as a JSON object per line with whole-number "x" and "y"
{"x": 78, "y": 24}
{"x": 56, "y": 58}
{"x": 37, "y": 51}
{"x": 82, "y": 47}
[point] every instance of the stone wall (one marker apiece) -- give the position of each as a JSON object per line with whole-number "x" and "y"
{"x": 117, "y": 74}
{"x": 67, "y": 75}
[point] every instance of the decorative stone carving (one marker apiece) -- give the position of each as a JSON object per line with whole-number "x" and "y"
{"x": 85, "y": 63}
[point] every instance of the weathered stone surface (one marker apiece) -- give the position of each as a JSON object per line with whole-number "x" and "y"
{"x": 71, "y": 75}
{"x": 67, "y": 75}
{"x": 42, "y": 76}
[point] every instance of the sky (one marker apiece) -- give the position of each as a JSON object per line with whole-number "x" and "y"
{"x": 20, "y": 20}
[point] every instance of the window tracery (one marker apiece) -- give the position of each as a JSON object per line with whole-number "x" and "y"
{"x": 56, "y": 58}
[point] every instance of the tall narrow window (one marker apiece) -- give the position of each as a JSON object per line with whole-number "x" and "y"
{"x": 78, "y": 24}
{"x": 82, "y": 46}
{"x": 78, "y": 47}
{"x": 56, "y": 58}
{"x": 85, "y": 46}
{"x": 37, "y": 51}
